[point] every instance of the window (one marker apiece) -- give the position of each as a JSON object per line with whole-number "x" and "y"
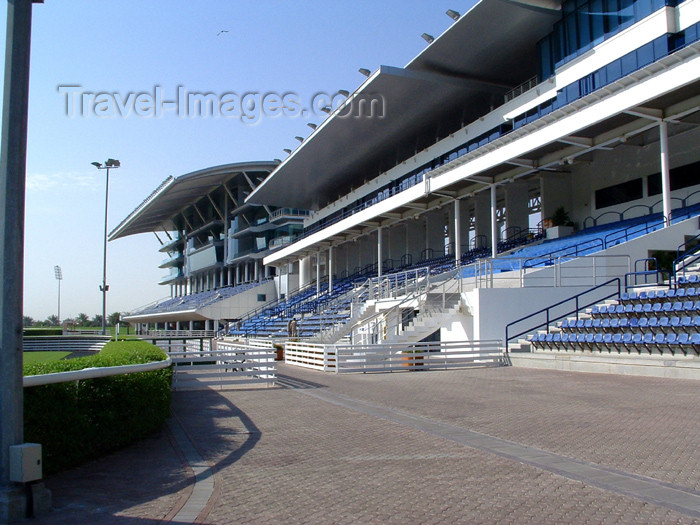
{"x": 618, "y": 194}
{"x": 681, "y": 177}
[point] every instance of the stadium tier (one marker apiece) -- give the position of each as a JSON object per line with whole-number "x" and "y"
{"x": 533, "y": 151}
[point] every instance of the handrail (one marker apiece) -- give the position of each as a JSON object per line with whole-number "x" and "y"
{"x": 656, "y": 272}
{"x": 548, "y": 258}
{"x": 611, "y": 239}
{"x": 682, "y": 262}
{"x": 93, "y": 373}
{"x": 684, "y": 245}
{"x": 420, "y": 293}
{"x": 276, "y": 302}
{"x": 635, "y": 228}
{"x": 576, "y": 310}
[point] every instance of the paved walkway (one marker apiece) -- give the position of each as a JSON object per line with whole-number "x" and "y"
{"x": 472, "y": 446}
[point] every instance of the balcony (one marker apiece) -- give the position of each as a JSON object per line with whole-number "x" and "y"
{"x": 175, "y": 260}
{"x": 173, "y": 245}
{"x": 289, "y": 213}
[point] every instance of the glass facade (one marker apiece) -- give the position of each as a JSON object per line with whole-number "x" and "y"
{"x": 586, "y": 23}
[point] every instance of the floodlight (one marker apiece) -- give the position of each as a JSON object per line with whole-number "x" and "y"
{"x": 454, "y": 15}
{"x": 312, "y": 125}
{"x": 58, "y": 273}
{"x": 365, "y": 72}
{"x": 344, "y": 92}
{"x": 277, "y": 161}
{"x": 326, "y": 109}
{"x": 300, "y": 139}
{"x": 109, "y": 164}
{"x": 428, "y": 38}
{"x": 287, "y": 151}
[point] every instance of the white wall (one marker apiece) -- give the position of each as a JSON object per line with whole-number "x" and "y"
{"x": 493, "y": 308}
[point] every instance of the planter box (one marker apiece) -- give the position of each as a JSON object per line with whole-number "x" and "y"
{"x": 559, "y": 231}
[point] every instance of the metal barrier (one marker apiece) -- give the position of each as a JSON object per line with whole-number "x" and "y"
{"x": 230, "y": 364}
{"x": 417, "y": 356}
{"x": 394, "y": 357}
{"x": 310, "y": 355}
{"x": 177, "y": 333}
{"x": 517, "y": 272}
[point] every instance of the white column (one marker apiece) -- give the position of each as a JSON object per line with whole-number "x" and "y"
{"x": 494, "y": 224}
{"x": 246, "y": 268}
{"x": 665, "y": 171}
{"x": 172, "y": 291}
{"x": 458, "y": 233}
{"x": 379, "y": 251}
{"x": 330, "y": 269}
{"x": 318, "y": 273}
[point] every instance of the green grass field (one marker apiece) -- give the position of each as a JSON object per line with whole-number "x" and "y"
{"x": 31, "y": 358}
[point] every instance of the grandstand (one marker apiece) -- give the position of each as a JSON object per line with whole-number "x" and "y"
{"x": 436, "y": 210}
{"x": 214, "y": 243}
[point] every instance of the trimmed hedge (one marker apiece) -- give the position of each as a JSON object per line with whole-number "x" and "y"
{"x": 35, "y": 332}
{"x": 82, "y": 420}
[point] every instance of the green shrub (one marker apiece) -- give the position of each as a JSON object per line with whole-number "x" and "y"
{"x": 82, "y": 420}
{"x": 34, "y": 332}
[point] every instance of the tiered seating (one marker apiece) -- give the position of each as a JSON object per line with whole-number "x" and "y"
{"x": 197, "y": 300}
{"x": 660, "y": 321}
{"x": 307, "y": 304}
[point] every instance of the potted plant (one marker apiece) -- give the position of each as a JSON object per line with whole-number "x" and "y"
{"x": 412, "y": 361}
{"x": 561, "y": 224}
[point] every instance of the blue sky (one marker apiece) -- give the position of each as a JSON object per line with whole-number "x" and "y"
{"x": 132, "y": 46}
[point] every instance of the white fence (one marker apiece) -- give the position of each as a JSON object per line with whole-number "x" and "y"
{"x": 395, "y": 357}
{"x": 229, "y": 364}
{"x": 65, "y": 343}
{"x": 310, "y": 355}
{"x": 514, "y": 272}
{"x": 147, "y": 334}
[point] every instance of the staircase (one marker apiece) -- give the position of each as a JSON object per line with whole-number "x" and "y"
{"x": 432, "y": 316}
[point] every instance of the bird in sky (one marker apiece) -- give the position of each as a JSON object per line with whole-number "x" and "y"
{"x": 222, "y": 31}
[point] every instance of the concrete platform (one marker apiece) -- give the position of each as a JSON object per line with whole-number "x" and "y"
{"x": 672, "y": 367}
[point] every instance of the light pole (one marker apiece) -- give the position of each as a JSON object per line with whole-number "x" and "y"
{"x": 110, "y": 163}
{"x": 59, "y": 277}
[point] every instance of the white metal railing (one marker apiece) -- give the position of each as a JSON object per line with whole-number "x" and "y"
{"x": 418, "y": 356}
{"x": 168, "y": 345}
{"x": 64, "y": 343}
{"x": 259, "y": 343}
{"x": 394, "y": 357}
{"x": 522, "y": 88}
{"x": 514, "y": 272}
{"x": 310, "y": 355}
{"x": 93, "y": 373}
{"x": 230, "y": 364}
{"x": 178, "y": 333}
{"x": 429, "y": 298}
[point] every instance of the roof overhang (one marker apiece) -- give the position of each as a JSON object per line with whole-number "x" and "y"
{"x": 467, "y": 69}
{"x": 176, "y": 193}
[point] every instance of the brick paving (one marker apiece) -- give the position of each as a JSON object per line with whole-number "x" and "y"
{"x": 282, "y": 456}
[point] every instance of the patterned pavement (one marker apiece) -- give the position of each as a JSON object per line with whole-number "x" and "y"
{"x": 406, "y": 448}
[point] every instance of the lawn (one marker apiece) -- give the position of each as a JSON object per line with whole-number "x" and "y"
{"x": 31, "y": 358}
